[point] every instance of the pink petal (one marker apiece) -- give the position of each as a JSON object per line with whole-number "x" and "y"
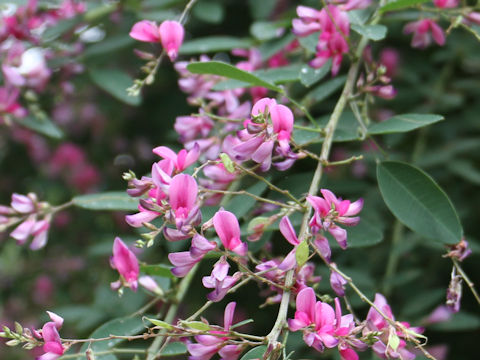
{"x": 166, "y": 153}
{"x": 306, "y": 303}
{"x": 125, "y": 261}
{"x": 282, "y": 118}
{"x": 22, "y": 204}
{"x": 228, "y": 316}
{"x": 339, "y": 234}
{"x": 437, "y": 33}
{"x": 227, "y": 227}
{"x": 57, "y": 320}
{"x": 289, "y": 262}
{"x": 354, "y": 208}
{"x": 138, "y": 219}
{"x": 50, "y": 333}
{"x": 183, "y": 193}
{"x": 287, "y": 230}
{"x": 145, "y": 31}
{"x": 261, "y": 105}
{"x": 171, "y": 36}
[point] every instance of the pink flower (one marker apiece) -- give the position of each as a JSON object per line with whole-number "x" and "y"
{"x": 330, "y": 210}
{"x": 316, "y": 319}
{"x": 423, "y": 32}
{"x": 126, "y": 263}
{"x": 171, "y": 36}
{"x": 192, "y": 127}
{"x": 228, "y": 230}
{"x": 219, "y": 280}
{"x": 169, "y": 33}
{"x": 390, "y": 58}
{"x": 23, "y": 204}
{"x": 209, "y": 345}
{"x": 183, "y": 193}
{"x": 32, "y": 227}
{"x": 445, "y": 4}
{"x": 182, "y": 160}
{"x": 288, "y": 232}
{"x": 52, "y": 347}
{"x": 185, "y": 260}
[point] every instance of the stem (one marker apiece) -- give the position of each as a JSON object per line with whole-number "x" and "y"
{"x": 100, "y": 353}
{"x": 466, "y": 279}
{"x": 153, "y": 350}
{"x": 393, "y": 257}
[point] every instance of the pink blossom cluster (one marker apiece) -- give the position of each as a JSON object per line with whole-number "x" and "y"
{"x": 53, "y": 347}
{"x": 32, "y": 218}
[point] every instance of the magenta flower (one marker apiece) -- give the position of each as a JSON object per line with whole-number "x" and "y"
{"x": 337, "y": 282}
{"x": 52, "y": 347}
{"x": 288, "y": 232}
{"x": 228, "y": 230}
{"x": 183, "y": 193}
{"x": 423, "y": 32}
{"x": 219, "y": 280}
{"x": 169, "y": 33}
{"x": 185, "y": 260}
{"x": 209, "y": 345}
{"x": 126, "y": 263}
{"x": 9, "y": 103}
{"x": 445, "y": 4}
{"x": 180, "y": 161}
{"x": 316, "y": 319}
{"x": 330, "y": 210}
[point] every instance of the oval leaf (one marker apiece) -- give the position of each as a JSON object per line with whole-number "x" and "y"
{"x": 418, "y": 202}
{"x": 114, "y": 200}
{"x": 122, "y": 326}
{"x": 158, "y": 270}
{"x": 174, "y": 349}
{"x": 115, "y": 82}
{"x": 228, "y": 71}
{"x": 255, "y": 353}
{"x": 43, "y": 126}
{"x": 160, "y": 323}
{"x": 301, "y": 255}
{"x": 213, "y": 44}
{"x": 372, "y": 32}
{"x": 401, "y": 4}
{"x": 197, "y": 325}
{"x": 404, "y": 123}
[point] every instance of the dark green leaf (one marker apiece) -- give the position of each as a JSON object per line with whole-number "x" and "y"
{"x": 41, "y": 125}
{"x": 265, "y": 30}
{"x": 115, "y": 82}
{"x": 324, "y": 90}
{"x": 255, "y": 353}
{"x": 309, "y": 75}
{"x": 214, "y": 44}
{"x": 63, "y": 26}
{"x": 466, "y": 170}
{"x": 174, "y": 349}
{"x": 209, "y": 11}
{"x": 404, "y": 123}
{"x": 122, "y": 326}
{"x": 366, "y": 233}
{"x": 418, "y": 202}
{"x": 113, "y": 200}
{"x": 461, "y": 321}
{"x": 229, "y": 71}
{"x": 108, "y": 46}
{"x": 372, "y": 32}
{"x": 309, "y": 42}
{"x": 401, "y": 4}
{"x": 158, "y": 270}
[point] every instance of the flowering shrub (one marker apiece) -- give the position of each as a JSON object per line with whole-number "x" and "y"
{"x": 277, "y": 149}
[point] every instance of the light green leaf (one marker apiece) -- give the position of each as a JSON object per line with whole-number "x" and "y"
{"x": 309, "y": 42}
{"x": 265, "y": 30}
{"x": 160, "y": 323}
{"x": 401, "y": 4}
{"x": 115, "y": 82}
{"x": 113, "y": 200}
{"x": 418, "y": 202}
{"x": 372, "y": 32}
{"x": 393, "y": 341}
{"x": 214, "y": 44}
{"x": 197, "y": 325}
{"x": 309, "y": 75}
{"x": 255, "y": 353}
{"x": 301, "y": 255}
{"x": 121, "y": 326}
{"x": 404, "y": 123}
{"x": 227, "y": 162}
{"x": 41, "y": 125}
{"x": 229, "y": 71}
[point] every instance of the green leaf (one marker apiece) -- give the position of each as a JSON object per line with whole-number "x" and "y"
{"x": 214, "y": 44}
{"x": 209, "y": 11}
{"x": 393, "y": 341}
{"x": 301, "y": 255}
{"x": 227, "y": 162}
{"x": 401, "y": 4}
{"x": 265, "y": 30}
{"x": 366, "y": 233}
{"x": 461, "y": 321}
{"x": 466, "y": 170}
{"x": 113, "y": 200}
{"x": 309, "y": 75}
{"x": 418, "y": 202}
{"x": 108, "y": 46}
{"x": 229, "y": 71}
{"x": 197, "y": 325}
{"x": 42, "y": 125}
{"x": 63, "y": 26}
{"x": 160, "y": 323}
{"x": 121, "y": 326}
{"x": 324, "y": 90}
{"x": 174, "y": 349}
{"x": 275, "y": 76}
{"x": 255, "y": 353}
{"x": 372, "y": 32}
{"x": 158, "y": 270}
{"x": 309, "y": 42}
{"x": 115, "y": 82}
{"x": 404, "y": 123}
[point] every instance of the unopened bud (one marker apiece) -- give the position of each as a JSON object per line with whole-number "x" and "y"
{"x": 89, "y": 354}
